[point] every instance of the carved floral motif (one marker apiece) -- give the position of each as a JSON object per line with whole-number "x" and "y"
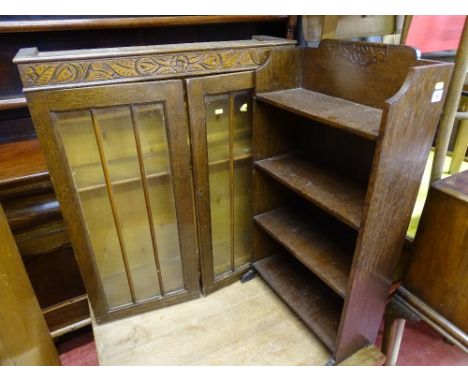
{"x": 56, "y": 73}
{"x": 364, "y": 54}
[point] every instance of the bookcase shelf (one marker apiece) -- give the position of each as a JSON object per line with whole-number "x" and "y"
{"x": 315, "y": 304}
{"x": 324, "y": 249}
{"x": 335, "y": 194}
{"x": 358, "y": 119}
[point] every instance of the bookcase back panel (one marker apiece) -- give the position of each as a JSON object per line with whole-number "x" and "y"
{"x": 365, "y": 73}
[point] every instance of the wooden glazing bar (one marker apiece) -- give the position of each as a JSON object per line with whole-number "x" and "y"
{"x": 231, "y": 175}
{"x": 110, "y": 192}
{"x": 144, "y": 181}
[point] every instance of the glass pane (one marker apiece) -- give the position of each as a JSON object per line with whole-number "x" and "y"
{"x": 217, "y": 130}
{"x": 155, "y": 150}
{"x": 242, "y": 129}
{"x": 217, "y": 127}
{"x": 220, "y": 217}
{"x": 120, "y": 151}
{"x": 242, "y": 211}
{"x": 77, "y": 134}
{"x": 242, "y": 148}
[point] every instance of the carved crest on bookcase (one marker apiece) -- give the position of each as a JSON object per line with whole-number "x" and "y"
{"x": 364, "y": 54}
{"x": 150, "y": 66}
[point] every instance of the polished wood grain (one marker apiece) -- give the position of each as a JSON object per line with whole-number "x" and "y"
{"x": 359, "y": 119}
{"x": 126, "y": 22}
{"x": 12, "y": 103}
{"x": 312, "y": 301}
{"x": 24, "y": 337}
{"x": 337, "y": 195}
{"x": 31, "y": 211}
{"x": 438, "y": 265}
{"x": 28, "y": 163}
{"x": 324, "y": 248}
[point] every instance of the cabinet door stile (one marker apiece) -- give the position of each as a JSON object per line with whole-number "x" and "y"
{"x": 182, "y": 186}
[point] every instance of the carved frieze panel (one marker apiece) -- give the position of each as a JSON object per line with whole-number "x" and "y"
{"x": 58, "y": 74}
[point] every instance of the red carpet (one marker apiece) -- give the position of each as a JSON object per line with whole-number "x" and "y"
{"x": 421, "y": 346}
{"x": 78, "y": 348}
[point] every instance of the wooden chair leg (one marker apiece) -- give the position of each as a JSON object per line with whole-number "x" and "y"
{"x": 461, "y": 144}
{"x": 392, "y": 336}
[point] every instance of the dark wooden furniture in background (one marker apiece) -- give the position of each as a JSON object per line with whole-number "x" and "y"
{"x": 25, "y": 187}
{"x": 439, "y": 263}
{"x": 435, "y": 283}
{"x": 35, "y": 219}
{"x": 24, "y": 337}
{"x": 341, "y": 138}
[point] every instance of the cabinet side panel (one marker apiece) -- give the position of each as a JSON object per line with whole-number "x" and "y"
{"x": 401, "y": 154}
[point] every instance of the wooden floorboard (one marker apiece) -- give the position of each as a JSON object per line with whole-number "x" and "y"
{"x": 242, "y": 324}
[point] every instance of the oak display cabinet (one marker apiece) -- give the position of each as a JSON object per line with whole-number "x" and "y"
{"x": 178, "y": 167}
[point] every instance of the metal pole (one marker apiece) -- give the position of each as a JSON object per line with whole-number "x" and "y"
{"x": 451, "y": 105}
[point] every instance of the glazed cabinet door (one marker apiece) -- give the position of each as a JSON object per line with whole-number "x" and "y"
{"x": 119, "y": 157}
{"x": 220, "y": 111}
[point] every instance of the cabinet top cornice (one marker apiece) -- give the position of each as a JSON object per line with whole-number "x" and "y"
{"x": 77, "y": 68}
{"x": 32, "y": 55}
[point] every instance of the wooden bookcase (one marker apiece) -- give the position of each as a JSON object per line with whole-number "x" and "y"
{"x": 341, "y": 137}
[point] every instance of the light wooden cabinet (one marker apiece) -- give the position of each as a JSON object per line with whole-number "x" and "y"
{"x": 181, "y": 166}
